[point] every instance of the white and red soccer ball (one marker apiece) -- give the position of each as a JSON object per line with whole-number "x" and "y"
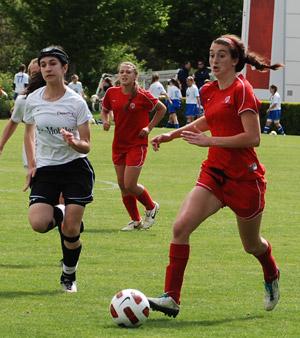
{"x": 129, "y": 308}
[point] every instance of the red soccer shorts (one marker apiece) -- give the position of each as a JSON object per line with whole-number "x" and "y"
{"x": 245, "y": 198}
{"x": 133, "y": 157}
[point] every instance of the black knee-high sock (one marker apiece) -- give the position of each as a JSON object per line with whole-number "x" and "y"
{"x": 70, "y": 261}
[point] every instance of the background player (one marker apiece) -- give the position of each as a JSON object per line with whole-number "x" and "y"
{"x": 274, "y": 112}
{"x": 131, "y": 106}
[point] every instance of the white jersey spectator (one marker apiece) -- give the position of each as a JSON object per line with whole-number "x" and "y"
{"x": 192, "y": 93}
{"x": 21, "y": 80}
{"x": 76, "y": 85}
{"x": 275, "y": 102}
{"x": 174, "y": 93}
{"x": 156, "y": 88}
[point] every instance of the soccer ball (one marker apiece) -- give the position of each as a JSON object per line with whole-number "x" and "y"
{"x": 129, "y": 308}
{"x": 273, "y": 133}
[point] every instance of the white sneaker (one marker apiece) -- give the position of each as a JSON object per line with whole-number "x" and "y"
{"x": 272, "y": 294}
{"x": 150, "y": 216}
{"x": 133, "y": 225}
{"x": 165, "y": 304}
{"x": 68, "y": 285}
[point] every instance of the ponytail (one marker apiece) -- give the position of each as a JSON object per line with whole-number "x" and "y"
{"x": 133, "y": 94}
{"x": 36, "y": 81}
{"x": 259, "y": 63}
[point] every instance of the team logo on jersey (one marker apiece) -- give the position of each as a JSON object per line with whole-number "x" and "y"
{"x": 227, "y": 99}
{"x": 252, "y": 167}
{"x": 132, "y": 105}
{"x": 65, "y": 113}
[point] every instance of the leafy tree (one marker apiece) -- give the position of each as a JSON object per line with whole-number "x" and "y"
{"x": 192, "y": 26}
{"x": 84, "y": 28}
{"x": 12, "y": 48}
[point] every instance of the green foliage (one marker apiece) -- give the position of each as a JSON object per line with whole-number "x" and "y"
{"x": 13, "y": 49}
{"x": 6, "y": 103}
{"x": 191, "y": 28}
{"x": 222, "y": 293}
{"x": 6, "y": 82}
{"x": 112, "y": 56}
{"x": 5, "y": 107}
{"x": 160, "y": 34}
{"x": 84, "y": 28}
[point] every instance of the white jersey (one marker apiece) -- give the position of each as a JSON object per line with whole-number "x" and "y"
{"x": 191, "y": 94}
{"x": 157, "y": 89}
{"x": 174, "y": 93}
{"x": 275, "y": 99}
{"x": 69, "y": 112}
{"x": 77, "y": 87}
{"x": 19, "y": 108}
{"x": 20, "y": 80}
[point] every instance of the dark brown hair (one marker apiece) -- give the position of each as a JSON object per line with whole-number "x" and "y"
{"x": 239, "y": 51}
{"x": 36, "y": 81}
{"x": 175, "y": 83}
{"x": 274, "y": 88}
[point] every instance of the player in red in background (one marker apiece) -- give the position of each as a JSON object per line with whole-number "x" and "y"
{"x": 131, "y": 106}
{"x": 231, "y": 175}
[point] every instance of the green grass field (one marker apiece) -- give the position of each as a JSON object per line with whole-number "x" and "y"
{"x": 223, "y": 288}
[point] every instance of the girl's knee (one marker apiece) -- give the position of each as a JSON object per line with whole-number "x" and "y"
{"x": 255, "y": 249}
{"x": 180, "y": 231}
{"x": 38, "y": 226}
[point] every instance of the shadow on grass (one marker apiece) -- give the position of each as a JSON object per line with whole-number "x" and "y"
{"x": 178, "y": 324}
{"x": 186, "y": 323}
{"x": 101, "y": 231}
{"x": 15, "y": 294}
{"x": 15, "y": 266}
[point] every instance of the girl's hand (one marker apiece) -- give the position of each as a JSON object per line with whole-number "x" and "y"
{"x": 106, "y": 126}
{"x": 157, "y": 140}
{"x": 30, "y": 174}
{"x": 68, "y": 136}
{"x": 196, "y": 138}
{"x": 144, "y": 132}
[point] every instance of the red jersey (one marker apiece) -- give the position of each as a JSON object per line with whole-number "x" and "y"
{"x": 223, "y": 109}
{"x": 129, "y": 122}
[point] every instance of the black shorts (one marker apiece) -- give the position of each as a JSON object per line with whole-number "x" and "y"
{"x": 74, "y": 180}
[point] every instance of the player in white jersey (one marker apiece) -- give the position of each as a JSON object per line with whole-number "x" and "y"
{"x": 192, "y": 107}
{"x": 156, "y": 88}
{"x": 58, "y": 119}
{"x": 274, "y": 112}
{"x": 21, "y": 80}
{"x": 76, "y": 85}
{"x": 174, "y": 103}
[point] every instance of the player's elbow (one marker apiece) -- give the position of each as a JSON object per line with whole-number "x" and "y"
{"x": 256, "y": 141}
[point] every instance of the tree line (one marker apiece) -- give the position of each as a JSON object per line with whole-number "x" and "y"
{"x": 98, "y": 34}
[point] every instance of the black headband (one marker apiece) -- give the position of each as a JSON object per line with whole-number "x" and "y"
{"x": 56, "y": 52}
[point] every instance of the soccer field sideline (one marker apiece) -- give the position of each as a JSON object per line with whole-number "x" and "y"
{"x": 223, "y": 291}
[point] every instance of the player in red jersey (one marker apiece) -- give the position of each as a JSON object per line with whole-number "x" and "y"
{"x": 131, "y": 106}
{"x": 231, "y": 175}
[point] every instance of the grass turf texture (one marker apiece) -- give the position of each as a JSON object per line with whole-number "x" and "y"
{"x": 223, "y": 290}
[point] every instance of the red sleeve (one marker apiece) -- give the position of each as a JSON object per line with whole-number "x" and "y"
{"x": 149, "y": 99}
{"x": 106, "y": 100}
{"x": 203, "y": 97}
{"x": 245, "y": 98}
